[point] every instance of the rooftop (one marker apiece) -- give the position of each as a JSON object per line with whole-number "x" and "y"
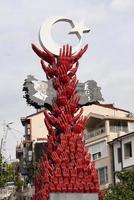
{"x": 121, "y": 137}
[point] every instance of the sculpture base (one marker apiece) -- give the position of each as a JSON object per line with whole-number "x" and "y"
{"x": 73, "y": 196}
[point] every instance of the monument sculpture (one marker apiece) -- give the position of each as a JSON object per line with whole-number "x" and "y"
{"x": 41, "y": 94}
{"x": 66, "y": 167}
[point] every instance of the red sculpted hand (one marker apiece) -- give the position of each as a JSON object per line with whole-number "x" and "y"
{"x": 56, "y": 83}
{"x": 80, "y": 53}
{"x": 73, "y": 70}
{"x": 66, "y": 118}
{"x": 65, "y": 57}
{"x": 63, "y": 77}
{"x": 67, "y": 109}
{"x": 80, "y": 125}
{"x": 74, "y": 103}
{"x": 52, "y": 187}
{"x": 48, "y": 70}
{"x": 45, "y": 55}
{"x": 62, "y": 122}
{"x": 49, "y": 127}
{"x": 78, "y": 115}
{"x": 70, "y": 88}
{"x": 61, "y": 97}
{"x": 55, "y": 157}
{"x": 56, "y": 109}
{"x": 62, "y": 69}
{"x": 50, "y": 118}
{"x": 60, "y": 149}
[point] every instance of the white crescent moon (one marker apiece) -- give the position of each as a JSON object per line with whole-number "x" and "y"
{"x": 45, "y": 36}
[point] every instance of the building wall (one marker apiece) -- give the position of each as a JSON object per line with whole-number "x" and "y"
{"x": 130, "y": 126}
{"x": 124, "y": 162}
{"x": 38, "y": 128}
{"x": 128, "y": 161}
{"x": 104, "y": 161}
{"x": 99, "y": 142}
{"x": 101, "y": 163}
{"x": 103, "y": 110}
{"x": 117, "y": 165}
{"x": 100, "y": 146}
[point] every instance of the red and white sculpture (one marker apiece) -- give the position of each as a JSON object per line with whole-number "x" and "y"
{"x": 66, "y": 165}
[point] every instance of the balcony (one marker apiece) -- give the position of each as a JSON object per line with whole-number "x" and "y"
{"x": 118, "y": 129}
{"x": 95, "y": 132}
{"x": 113, "y": 129}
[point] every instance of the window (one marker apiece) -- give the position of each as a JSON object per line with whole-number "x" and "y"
{"x": 119, "y": 155}
{"x": 103, "y": 175}
{"x": 96, "y": 155}
{"x": 98, "y": 150}
{"x": 118, "y": 126}
{"x": 131, "y": 126}
{"x": 127, "y": 150}
{"x": 28, "y": 129}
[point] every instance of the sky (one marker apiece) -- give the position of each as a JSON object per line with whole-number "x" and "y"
{"x": 109, "y": 59}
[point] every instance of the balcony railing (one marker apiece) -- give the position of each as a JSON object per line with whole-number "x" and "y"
{"x": 99, "y": 131}
{"x": 94, "y": 133}
{"x": 118, "y": 129}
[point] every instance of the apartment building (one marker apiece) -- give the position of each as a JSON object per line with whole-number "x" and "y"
{"x": 30, "y": 148}
{"x": 105, "y": 123}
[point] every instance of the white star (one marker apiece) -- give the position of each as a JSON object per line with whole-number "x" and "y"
{"x": 79, "y": 29}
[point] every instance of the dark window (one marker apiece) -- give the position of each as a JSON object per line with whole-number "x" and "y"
{"x": 39, "y": 149}
{"x": 127, "y": 150}
{"x": 96, "y": 155}
{"x": 28, "y": 129}
{"x": 119, "y": 155}
{"x": 103, "y": 175}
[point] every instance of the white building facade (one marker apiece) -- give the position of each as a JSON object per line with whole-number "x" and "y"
{"x": 123, "y": 153}
{"x": 105, "y": 123}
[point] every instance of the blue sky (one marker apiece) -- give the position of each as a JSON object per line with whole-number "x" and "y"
{"x": 109, "y": 59}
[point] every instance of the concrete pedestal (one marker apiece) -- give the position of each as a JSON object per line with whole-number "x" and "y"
{"x": 73, "y": 196}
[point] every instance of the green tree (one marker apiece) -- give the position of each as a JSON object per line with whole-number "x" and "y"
{"x": 0, "y": 164}
{"x": 124, "y": 189}
{"x": 18, "y": 183}
{"x": 8, "y": 173}
{"x": 2, "y": 172}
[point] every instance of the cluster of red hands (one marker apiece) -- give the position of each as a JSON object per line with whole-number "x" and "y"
{"x": 65, "y": 55}
{"x": 67, "y": 165}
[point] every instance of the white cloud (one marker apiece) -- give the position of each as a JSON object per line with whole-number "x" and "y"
{"x": 123, "y": 5}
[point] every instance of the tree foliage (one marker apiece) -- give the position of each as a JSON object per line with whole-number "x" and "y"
{"x": 8, "y": 173}
{"x": 124, "y": 189}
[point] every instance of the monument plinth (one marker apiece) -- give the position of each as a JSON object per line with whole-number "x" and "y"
{"x": 66, "y": 170}
{"x": 73, "y": 196}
